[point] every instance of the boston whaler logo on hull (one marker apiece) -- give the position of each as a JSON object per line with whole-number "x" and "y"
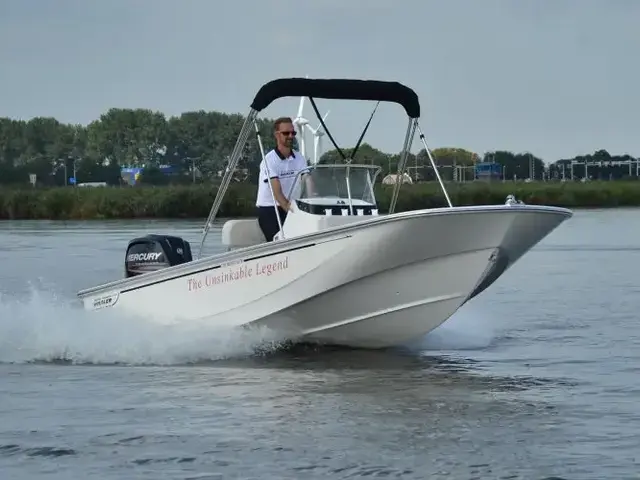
{"x": 104, "y": 302}
{"x": 144, "y": 257}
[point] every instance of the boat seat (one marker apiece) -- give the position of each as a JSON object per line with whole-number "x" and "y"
{"x": 242, "y": 233}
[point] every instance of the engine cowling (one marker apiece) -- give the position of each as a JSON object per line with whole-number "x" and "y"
{"x": 155, "y": 252}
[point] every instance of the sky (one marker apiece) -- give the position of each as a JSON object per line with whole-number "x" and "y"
{"x": 556, "y": 78}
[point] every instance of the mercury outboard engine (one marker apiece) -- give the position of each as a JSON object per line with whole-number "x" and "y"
{"x": 154, "y": 252}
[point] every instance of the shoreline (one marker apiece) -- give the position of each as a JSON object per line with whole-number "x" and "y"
{"x": 193, "y": 202}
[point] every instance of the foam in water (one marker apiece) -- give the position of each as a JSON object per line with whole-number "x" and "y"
{"x": 45, "y": 327}
{"x": 468, "y": 329}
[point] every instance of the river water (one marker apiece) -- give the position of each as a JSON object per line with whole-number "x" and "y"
{"x": 535, "y": 379}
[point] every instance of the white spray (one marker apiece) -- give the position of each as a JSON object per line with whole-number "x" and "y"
{"x": 44, "y": 327}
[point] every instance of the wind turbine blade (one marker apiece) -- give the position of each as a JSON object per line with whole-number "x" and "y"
{"x": 301, "y": 142}
{"x": 300, "y": 106}
{"x": 320, "y": 128}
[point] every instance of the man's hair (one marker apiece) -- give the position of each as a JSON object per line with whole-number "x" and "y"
{"x": 279, "y": 121}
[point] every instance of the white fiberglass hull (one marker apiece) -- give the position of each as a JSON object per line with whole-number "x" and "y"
{"x": 376, "y": 283}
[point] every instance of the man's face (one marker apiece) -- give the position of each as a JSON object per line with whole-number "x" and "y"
{"x": 285, "y": 134}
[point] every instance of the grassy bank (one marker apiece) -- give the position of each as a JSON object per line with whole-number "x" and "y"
{"x": 195, "y": 201}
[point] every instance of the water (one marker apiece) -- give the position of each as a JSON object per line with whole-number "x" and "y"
{"x": 537, "y": 378}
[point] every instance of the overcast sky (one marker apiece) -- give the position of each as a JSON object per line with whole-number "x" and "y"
{"x": 554, "y": 77}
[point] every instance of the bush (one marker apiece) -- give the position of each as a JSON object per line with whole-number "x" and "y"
{"x": 194, "y": 201}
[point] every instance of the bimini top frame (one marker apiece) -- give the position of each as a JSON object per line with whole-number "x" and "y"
{"x": 336, "y": 89}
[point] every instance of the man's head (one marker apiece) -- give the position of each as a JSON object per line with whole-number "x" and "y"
{"x": 284, "y": 132}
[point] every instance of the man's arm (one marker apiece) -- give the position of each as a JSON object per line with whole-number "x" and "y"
{"x": 272, "y": 164}
{"x": 277, "y": 192}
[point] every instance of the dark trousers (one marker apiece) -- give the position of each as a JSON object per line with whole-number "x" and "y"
{"x": 268, "y": 221}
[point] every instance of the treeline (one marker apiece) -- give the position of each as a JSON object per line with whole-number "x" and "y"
{"x": 196, "y": 146}
{"x": 194, "y": 201}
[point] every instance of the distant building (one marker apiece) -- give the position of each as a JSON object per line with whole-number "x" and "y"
{"x": 488, "y": 171}
{"x": 131, "y": 175}
{"x": 392, "y": 178}
{"x": 92, "y": 184}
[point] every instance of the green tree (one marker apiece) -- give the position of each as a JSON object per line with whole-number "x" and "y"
{"x": 202, "y": 141}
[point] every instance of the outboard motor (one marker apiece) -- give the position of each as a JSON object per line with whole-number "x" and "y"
{"x": 154, "y": 252}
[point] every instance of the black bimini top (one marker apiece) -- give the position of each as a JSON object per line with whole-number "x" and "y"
{"x": 339, "y": 89}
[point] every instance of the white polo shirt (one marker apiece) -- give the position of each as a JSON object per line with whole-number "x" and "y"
{"x": 285, "y": 169}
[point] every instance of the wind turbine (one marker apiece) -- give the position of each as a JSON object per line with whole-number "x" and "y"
{"x": 299, "y": 122}
{"x": 317, "y": 133}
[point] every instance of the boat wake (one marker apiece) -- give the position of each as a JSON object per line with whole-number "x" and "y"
{"x": 470, "y": 328}
{"x": 45, "y": 327}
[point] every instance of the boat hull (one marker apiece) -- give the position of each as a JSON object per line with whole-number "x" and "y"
{"x": 389, "y": 307}
{"x": 376, "y": 283}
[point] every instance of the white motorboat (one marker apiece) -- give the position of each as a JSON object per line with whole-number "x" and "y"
{"x": 338, "y": 272}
